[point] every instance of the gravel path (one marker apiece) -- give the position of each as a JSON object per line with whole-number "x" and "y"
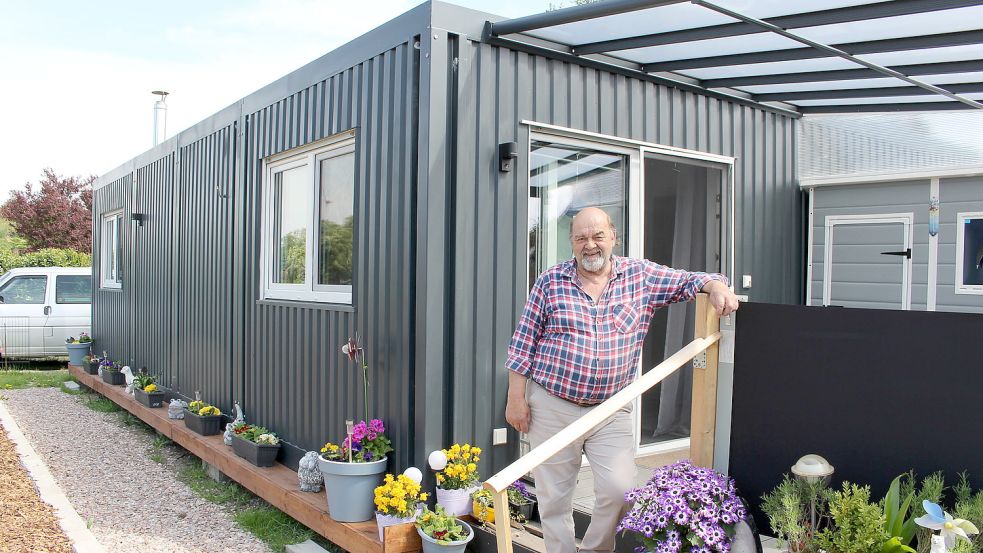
{"x": 132, "y": 502}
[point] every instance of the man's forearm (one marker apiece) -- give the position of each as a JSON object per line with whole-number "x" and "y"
{"x": 517, "y": 385}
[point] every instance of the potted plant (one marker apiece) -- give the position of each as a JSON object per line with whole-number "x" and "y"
{"x": 203, "y": 418}
{"x": 78, "y": 348}
{"x": 457, "y": 477}
{"x": 91, "y": 364}
{"x": 396, "y": 502}
{"x": 354, "y": 469}
{"x": 255, "y": 444}
{"x": 482, "y": 506}
{"x": 684, "y": 505}
{"x": 145, "y": 391}
{"x": 521, "y": 502}
{"x": 442, "y": 532}
{"x": 111, "y": 372}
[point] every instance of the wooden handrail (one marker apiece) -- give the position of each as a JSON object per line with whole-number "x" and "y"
{"x": 707, "y": 335}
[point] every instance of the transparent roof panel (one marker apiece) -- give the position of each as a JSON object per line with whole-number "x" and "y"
{"x": 885, "y": 100}
{"x": 946, "y": 21}
{"x": 950, "y": 78}
{"x": 676, "y": 17}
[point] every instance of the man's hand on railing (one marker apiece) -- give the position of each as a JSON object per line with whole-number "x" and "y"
{"x": 517, "y": 413}
{"x": 722, "y": 299}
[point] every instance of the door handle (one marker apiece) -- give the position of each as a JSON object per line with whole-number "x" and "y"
{"x": 47, "y": 310}
{"x": 905, "y": 253}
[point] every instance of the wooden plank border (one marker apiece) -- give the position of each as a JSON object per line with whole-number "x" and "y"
{"x": 277, "y": 484}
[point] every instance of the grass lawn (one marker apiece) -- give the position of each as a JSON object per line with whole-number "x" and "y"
{"x": 12, "y": 380}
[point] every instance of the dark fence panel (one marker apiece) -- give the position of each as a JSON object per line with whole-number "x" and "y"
{"x": 110, "y": 316}
{"x": 875, "y": 392}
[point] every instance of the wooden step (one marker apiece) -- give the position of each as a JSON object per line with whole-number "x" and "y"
{"x": 277, "y": 484}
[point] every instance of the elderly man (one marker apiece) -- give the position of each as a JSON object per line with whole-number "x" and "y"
{"x": 578, "y": 343}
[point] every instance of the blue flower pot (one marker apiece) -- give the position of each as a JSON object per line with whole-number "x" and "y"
{"x": 77, "y": 353}
{"x": 351, "y": 488}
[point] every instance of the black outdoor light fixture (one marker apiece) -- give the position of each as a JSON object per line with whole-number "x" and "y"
{"x": 138, "y": 217}
{"x": 507, "y": 152}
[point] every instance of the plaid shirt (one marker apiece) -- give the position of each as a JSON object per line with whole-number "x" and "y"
{"x": 586, "y": 352}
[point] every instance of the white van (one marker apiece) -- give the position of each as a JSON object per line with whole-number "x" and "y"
{"x": 42, "y": 306}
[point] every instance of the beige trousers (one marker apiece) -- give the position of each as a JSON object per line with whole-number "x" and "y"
{"x": 610, "y": 449}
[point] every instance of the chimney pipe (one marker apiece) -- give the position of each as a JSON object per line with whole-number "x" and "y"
{"x": 160, "y": 117}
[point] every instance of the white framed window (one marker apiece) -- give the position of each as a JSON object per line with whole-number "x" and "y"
{"x": 110, "y": 252}
{"x": 309, "y": 221}
{"x": 969, "y": 253}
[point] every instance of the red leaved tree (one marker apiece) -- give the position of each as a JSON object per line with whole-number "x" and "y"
{"x": 57, "y": 215}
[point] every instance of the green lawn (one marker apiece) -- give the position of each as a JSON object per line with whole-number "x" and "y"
{"x": 11, "y": 380}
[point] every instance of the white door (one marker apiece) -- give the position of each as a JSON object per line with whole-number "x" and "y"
{"x": 867, "y": 261}
{"x": 69, "y": 311}
{"x": 22, "y": 315}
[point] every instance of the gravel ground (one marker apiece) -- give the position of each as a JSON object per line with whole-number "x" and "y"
{"x": 131, "y": 502}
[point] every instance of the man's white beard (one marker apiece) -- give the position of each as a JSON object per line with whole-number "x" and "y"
{"x": 592, "y": 263}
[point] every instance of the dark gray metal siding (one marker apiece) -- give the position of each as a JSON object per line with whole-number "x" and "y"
{"x": 295, "y": 378}
{"x": 110, "y": 313}
{"x": 497, "y": 89}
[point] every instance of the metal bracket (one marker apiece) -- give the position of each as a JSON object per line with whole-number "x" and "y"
{"x": 700, "y": 361}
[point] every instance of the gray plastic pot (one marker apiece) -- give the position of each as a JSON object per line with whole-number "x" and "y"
{"x": 151, "y": 399}
{"x": 352, "y": 485}
{"x": 431, "y": 545}
{"x": 260, "y": 455}
{"x": 77, "y": 353}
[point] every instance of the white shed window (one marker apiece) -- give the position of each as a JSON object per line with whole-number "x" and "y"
{"x": 308, "y": 222}
{"x": 969, "y": 253}
{"x": 110, "y": 252}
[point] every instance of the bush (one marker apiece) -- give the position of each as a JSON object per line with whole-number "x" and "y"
{"x": 48, "y": 257}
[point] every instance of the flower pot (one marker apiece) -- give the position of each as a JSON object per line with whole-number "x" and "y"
{"x": 431, "y": 545}
{"x": 115, "y": 378}
{"x": 77, "y": 353}
{"x": 523, "y": 509}
{"x": 351, "y": 488}
{"x": 257, "y": 454}
{"x": 149, "y": 399}
{"x": 206, "y": 426}
{"x": 455, "y": 502}
{"x": 384, "y": 520}
{"x": 92, "y": 368}
{"x": 482, "y": 514}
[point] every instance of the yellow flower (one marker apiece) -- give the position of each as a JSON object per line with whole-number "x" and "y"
{"x": 440, "y": 478}
{"x": 150, "y": 388}
{"x": 476, "y": 450}
{"x": 424, "y": 496}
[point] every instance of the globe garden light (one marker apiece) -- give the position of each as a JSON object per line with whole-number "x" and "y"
{"x": 437, "y": 460}
{"x": 812, "y": 468}
{"x": 414, "y": 474}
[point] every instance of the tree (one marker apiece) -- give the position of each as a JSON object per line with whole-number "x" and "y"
{"x": 57, "y": 215}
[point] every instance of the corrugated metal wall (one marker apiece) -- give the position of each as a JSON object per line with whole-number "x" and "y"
{"x": 110, "y": 312}
{"x": 498, "y": 88}
{"x": 296, "y": 379}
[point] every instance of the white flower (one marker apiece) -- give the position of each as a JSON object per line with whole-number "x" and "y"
{"x": 950, "y": 528}
{"x": 437, "y": 460}
{"x": 267, "y": 439}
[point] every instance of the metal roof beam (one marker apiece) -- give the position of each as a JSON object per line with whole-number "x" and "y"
{"x": 574, "y": 14}
{"x": 832, "y": 50}
{"x": 809, "y": 19}
{"x": 939, "y": 68}
{"x": 874, "y": 108}
{"x": 869, "y": 47}
{"x": 862, "y": 93}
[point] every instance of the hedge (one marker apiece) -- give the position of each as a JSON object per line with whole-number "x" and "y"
{"x": 48, "y": 257}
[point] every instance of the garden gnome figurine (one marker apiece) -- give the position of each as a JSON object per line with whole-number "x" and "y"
{"x": 129, "y": 379}
{"x": 228, "y": 428}
{"x": 308, "y": 473}
{"x": 176, "y": 409}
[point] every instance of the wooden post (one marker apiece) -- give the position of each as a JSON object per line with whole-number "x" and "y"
{"x": 503, "y": 526}
{"x": 704, "y": 404}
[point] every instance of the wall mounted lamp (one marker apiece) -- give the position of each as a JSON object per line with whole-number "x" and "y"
{"x": 138, "y": 217}
{"x": 507, "y": 152}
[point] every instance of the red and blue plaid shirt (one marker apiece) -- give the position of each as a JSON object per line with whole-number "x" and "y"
{"x": 587, "y": 352}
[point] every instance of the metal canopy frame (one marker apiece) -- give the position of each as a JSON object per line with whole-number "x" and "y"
{"x": 792, "y": 86}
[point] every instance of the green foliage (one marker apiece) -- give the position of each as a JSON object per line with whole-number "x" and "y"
{"x": 788, "y": 508}
{"x": 102, "y": 405}
{"x": 293, "y": 253}
{"x": 10, "y": 241}
{"x": 932, "y": 489}
{"x": 897, "y": 522}
{"x": 969, "y": 506}
{"x": 33, "y": 379}
{"x": 228, "y": 494}
{"x": 857, "y": 525}
{"x": 273, "y": 526}
{"x": 336, "y": 252}
{"x": 143, "y": 380}
{"x": 48, "y": 257}
{"x": 440, "y": 526}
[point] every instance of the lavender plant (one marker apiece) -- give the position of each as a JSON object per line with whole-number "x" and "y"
{"x": 684, "y": 508}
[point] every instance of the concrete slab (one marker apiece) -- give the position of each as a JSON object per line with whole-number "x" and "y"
{"x": 305, "y": 547}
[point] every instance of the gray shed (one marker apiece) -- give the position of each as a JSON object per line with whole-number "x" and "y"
{"x": 374, "y": 191}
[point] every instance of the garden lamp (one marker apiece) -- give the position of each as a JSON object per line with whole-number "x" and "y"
{"x": 814, "y": 470}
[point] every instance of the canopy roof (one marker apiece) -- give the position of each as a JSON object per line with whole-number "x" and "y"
{"x": 810, "y": 56}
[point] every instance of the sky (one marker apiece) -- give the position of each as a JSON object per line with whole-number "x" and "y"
{"x": 76, "y": 77}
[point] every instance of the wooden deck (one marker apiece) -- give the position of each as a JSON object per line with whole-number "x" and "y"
{"x": 277, "y": 484}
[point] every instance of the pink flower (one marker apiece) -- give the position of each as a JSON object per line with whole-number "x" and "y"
{"x": 352, "y": 349}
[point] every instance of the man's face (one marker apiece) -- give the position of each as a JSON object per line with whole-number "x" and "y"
{"x": 593, "y": 241}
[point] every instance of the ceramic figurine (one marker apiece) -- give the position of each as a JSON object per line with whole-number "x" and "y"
{"x": 228, "y": 428}
{"x": 176, "y": 409}
{"x": 308, "y": 473}
{"x": 128, "y": 373}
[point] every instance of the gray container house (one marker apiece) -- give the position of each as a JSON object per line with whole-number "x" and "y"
{"x": 372, "y": 191}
